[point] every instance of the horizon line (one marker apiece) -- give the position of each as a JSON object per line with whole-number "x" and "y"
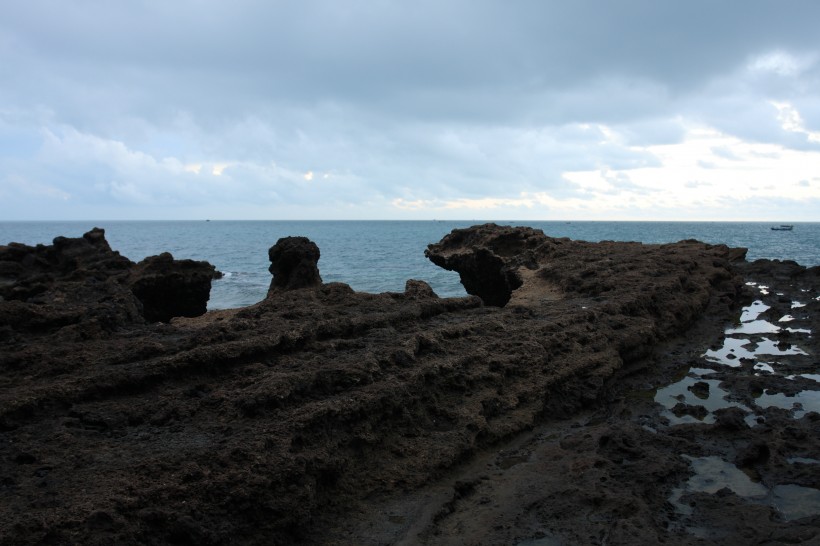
{"x": 481, "y": 220}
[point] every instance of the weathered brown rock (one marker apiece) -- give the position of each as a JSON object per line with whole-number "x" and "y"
{"x": 416, "y": 289}
{"x": 488, "y": 258}
{"x": 258, "y": 425}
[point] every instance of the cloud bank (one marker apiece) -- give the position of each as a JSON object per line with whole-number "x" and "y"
{"x": 322, "y": 109}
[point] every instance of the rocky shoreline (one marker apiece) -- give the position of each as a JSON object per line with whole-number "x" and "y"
{"x": 517, "y": 415}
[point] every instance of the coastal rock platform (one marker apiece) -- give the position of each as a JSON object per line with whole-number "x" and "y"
{"x": 325, "y": 416}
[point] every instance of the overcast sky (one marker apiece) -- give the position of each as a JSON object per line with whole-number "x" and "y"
{"x": 463, "y": 109}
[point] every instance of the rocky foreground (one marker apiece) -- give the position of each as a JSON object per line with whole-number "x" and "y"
{"x": 322, "y": 415}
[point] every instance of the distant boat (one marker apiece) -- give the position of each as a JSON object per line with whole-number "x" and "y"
{"x": 783, "y": 227}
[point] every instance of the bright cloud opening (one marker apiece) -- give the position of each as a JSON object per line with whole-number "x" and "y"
{"x": 791, "y": 121}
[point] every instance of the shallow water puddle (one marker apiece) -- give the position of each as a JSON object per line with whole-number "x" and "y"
{"x": 802, "y": 460}
{"x": 769, "y": 347}
{"x": 753, "y": 311}
{"x": 713, "y": 474}
{"x": 795, "y": 501}
{"x": 700, "y": 372}
{"x": 755, "y": 327}
{"x": 694, "y": 391}
{"x": 763, "y": 367}
{"x": 800, "y": 404}
{"x": 762, "y": 287}
{"x": 732, "y": 351}
{"x": 799, "y": 331}
{"x": 735, "y": 349}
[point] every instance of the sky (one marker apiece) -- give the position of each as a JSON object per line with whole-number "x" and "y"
{"x": 377, "y": 109}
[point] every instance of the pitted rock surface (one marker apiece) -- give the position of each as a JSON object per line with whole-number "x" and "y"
{"x": 80, "y": 287}
{"x": 277, "y": 423}
{"x": 294, "y": 264}
{"x": 170, "y": 288}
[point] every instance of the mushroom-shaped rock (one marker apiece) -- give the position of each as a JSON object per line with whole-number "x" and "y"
{"x": 487, "y": 258}
{"x": 293, "y": 264}
{"x": 171, "y": 288}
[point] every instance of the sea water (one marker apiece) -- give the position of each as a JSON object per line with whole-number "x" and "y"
{"x": 379, "y": 256}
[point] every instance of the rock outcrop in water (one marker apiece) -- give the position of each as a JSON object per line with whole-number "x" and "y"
{"x": 261, "y": 425}
{"x": 294, "y": 264}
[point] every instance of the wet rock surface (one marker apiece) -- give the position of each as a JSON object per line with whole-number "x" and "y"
{"x": 686, "y": 446}
{"x": 321, "y": 415}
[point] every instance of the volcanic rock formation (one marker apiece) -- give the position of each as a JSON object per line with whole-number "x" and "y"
{"x": 256, "y": 425}
{"x": 488, "y": 258}
{"x": 171, "y": 288}
{"x": 294, "y": 264}
{"x": 81, "y": 282}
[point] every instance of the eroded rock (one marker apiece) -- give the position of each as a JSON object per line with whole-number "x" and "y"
{"x": 170, "y": 288}
{"x": 256, "y": 425}
{"x": 294, "y": 264}
{"x": 418, "y": 290}
{"x": 83, "y": 287}
{"x": 487, "y": 258}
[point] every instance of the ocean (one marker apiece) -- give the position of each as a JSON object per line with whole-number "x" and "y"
{"x": 379, "y": 256}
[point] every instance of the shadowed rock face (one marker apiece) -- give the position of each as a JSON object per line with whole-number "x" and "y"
{"x": 252, "y": 425}
{"x": 294, "y": 264}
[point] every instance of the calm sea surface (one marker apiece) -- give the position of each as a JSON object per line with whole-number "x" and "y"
{"x": 379, "y": 256}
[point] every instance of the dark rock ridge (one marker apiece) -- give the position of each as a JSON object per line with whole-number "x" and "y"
{"x": 259, "y": 425}
{"x": 82, "y": 283}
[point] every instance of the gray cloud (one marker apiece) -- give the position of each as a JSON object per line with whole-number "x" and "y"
{"x": 114, "y": 105}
